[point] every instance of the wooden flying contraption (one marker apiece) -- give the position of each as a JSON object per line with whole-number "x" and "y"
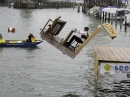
{"x": 50, "y": 33}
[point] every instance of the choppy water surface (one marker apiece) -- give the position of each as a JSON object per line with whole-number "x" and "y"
{"x": 46, "y": 72}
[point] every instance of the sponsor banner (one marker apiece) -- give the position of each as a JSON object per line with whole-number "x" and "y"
{"x": 115, "y": 68}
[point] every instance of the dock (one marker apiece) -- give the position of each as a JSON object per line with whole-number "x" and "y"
{"x": 111, "y": 60}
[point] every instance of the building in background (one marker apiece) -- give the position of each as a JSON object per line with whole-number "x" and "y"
{"x": 92, "y": 3}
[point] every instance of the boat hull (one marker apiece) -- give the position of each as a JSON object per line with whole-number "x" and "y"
{"x": 19, "y": 43}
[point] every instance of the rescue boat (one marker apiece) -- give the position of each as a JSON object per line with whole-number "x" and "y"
{"x": 18, "y": 43}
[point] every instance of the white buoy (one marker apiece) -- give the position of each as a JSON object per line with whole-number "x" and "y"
{"x": 11, "y": 29}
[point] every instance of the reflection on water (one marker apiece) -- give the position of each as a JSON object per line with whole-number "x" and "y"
{"x": 71, "y": 95}
{"x": 26, "y": 14}
{"x": 119, "y": 89}
{"x": 1, "y": 49}
{"x": 113, "y": 85}
{"x": 33, "y": 48}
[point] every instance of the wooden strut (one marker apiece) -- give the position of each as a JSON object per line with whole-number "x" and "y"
{"x": 88, "y": 39}
{"x": 46, "y": 24}
{"x": 67, "y": 38}
{"x": 110, "y": 30}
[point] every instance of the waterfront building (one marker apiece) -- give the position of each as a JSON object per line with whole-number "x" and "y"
{"x": 91, "y": 3}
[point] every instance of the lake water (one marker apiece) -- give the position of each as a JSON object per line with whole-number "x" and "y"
{"x": 44, "y": 71}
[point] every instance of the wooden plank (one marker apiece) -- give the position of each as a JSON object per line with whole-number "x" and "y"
{"x": 55, "y": 27}
{"x": 127, "y": 50}
{"x": 46, "y": 24}
{"x": 98, "y": 53}
{"x": 124, "y": 54}
{"x": 101, "y": 53}
{"x": 55, "y": 21}
{"x": 57, "y": 43}
{"x": 88, "y": 39}
{"x": 111, "y": 31}
{"x": 116, "y": 54}
{"x": 62, "y": 23}
{"x": 120, "y": 56}
{"x": 108, "y": 55}
{"x": 96, "y": 62}
{"x": 68, "y": 36}
{"x": 104, "y": 53}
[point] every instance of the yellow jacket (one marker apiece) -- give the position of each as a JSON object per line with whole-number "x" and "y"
{"x": 2, "y": 40}
{"x": 33, "y": 39}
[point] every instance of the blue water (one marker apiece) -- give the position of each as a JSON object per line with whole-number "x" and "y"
{"x": 44, "y": 71}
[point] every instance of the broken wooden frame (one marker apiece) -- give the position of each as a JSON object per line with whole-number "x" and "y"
{"x": 111, "y": 31}
{"x": 60, "y": 43}
{"x": 55, "y": 27}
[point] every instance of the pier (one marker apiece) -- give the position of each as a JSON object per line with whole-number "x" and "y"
{"x": 111, "y": 60}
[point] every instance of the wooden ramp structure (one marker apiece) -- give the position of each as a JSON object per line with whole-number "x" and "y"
{"x": 51, "y": 30}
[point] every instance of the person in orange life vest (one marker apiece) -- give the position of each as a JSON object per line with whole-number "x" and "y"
{"x": 84, "y": 36}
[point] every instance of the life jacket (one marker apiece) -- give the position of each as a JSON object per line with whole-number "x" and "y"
{"x": 33, "y": 39}
{"x": 2, "y": 40}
